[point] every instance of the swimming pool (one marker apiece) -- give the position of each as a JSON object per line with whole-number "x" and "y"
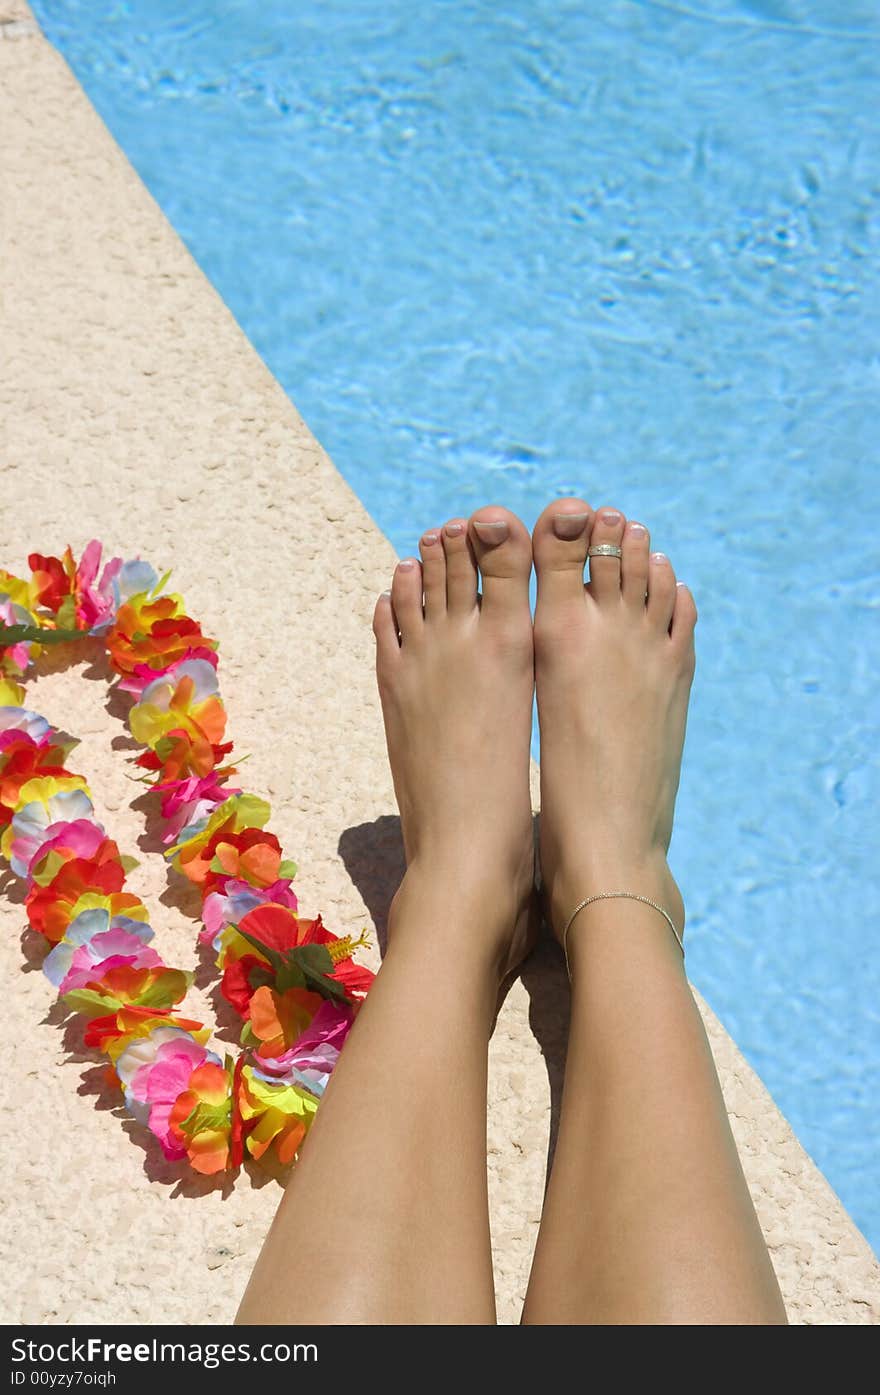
{"x": 509, "y": 251}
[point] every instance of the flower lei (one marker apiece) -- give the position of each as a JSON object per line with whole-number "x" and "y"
{"x": 294, "y": 983}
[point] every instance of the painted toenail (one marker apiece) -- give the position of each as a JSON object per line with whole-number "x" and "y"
{"x": 430, "y": 538}
{"x": 387, "y": 593}
{"x": 569, "y": 525}
{"x": 406, "y": 566}
{"x": 659, "y": 558}
{"x": 491, "y": 532}
{"x": 452, "y": 530}
{"x": 637, "y": 530}
{"x": 611, "y": 519}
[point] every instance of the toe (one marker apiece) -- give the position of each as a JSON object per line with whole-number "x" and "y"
{"x": 559, "y": 546}
{"x": 406, "y": 598}
{"x": 385, "y": 631}
{"x": 503, "y": 549}
{"x": 684, "y": 618}
{"x": 634, "y": 565}
{"x": 661, "y": 590}
{"x": 461, "y": 568}
{"x": 608, "y": 526}
{"x": 433, "y": 573}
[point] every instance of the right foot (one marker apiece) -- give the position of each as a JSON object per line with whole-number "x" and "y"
{"x": 614, "y": 661}
{"x": 456, "y": 679}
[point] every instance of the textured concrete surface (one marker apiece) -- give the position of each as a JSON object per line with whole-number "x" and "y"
{"x": 135, "y": 410}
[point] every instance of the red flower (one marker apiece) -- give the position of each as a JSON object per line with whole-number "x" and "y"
{"x": 152, "y": 633}
{"x": 236, "y": 985}
{"x": 51, "y": 580}
{"x": 22, "y": 759}
{"x": 278, "y": 928}
{"x": 356, "y": 979}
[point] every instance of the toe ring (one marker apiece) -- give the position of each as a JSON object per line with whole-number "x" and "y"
{"x": 605, "y": 550}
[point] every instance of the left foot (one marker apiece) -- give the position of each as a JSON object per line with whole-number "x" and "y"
{"x": 456, "y": 679}
{"x": 614, "y": 662}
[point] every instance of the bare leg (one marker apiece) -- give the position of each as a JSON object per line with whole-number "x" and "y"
{"x": 385, "y": 1218}
{"x": 648, "y": 1218}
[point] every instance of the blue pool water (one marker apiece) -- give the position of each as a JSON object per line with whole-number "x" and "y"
{"x": 509, "y": 249}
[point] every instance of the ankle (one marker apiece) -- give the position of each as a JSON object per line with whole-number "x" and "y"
{"x": 453, "y": 913}
{"x": 647, "y": 875}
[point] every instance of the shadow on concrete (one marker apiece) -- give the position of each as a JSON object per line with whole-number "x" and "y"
{"x": 374, "y": 859}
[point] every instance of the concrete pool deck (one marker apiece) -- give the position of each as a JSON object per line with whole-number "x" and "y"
{"x": 136, "y": 411}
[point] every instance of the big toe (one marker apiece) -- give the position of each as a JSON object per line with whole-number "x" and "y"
{"x": 559, "y": 544}
{"x": 503, "y": 549}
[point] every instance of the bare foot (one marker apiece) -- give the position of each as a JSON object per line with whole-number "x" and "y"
{"x": 456, "y": 677}
{"x": 614, "y": 662}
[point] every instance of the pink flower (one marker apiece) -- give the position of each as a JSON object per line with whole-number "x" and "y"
{"x": 82, "y": 836}
{"x": 187, "y": 801}
{"x": 143, "y": 674}
{"x": 154, "y": 1070}
{"x": 110, "y": 950}
{"x": 317, "y": 1048}
{"x": 11, "y": 614}
{"x": 95, "y": 604}
{"x": 230, "y": 904}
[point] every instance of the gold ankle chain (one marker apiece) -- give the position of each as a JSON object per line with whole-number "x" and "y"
{"x": 608, "y": 895}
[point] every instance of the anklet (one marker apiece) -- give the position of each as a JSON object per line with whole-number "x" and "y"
{"x": 605, "y": 896}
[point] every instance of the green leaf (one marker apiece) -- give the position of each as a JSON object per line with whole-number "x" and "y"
{"x": 316, "y": 964}
{"x": 287, "y": 868}
{"x": 18, "y": 634}
{"x": 206, "y": 1116}
{"x": 260, "y": 975}
{"x": 289, "y": 976}
{"x": 128, "y": 862}
{"x": 159, "y": 588}
{"x": 93, "y": 1004}
{"x": 275, "y": 959}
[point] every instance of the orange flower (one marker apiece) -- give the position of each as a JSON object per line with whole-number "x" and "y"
{"x": 251, "y": 854}
{"x": 153, "y": 632}
{"x": 202, "y": 1120}
{"x": 50, "y": 908}
{"x": 277, "y": 1019}
{"x": 113, "y": 1031}
{"x": 180, "y": 753}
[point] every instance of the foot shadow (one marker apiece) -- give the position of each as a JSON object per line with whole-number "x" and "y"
{"x": 374, "y": 859}
{"x": 546, "y": 982}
